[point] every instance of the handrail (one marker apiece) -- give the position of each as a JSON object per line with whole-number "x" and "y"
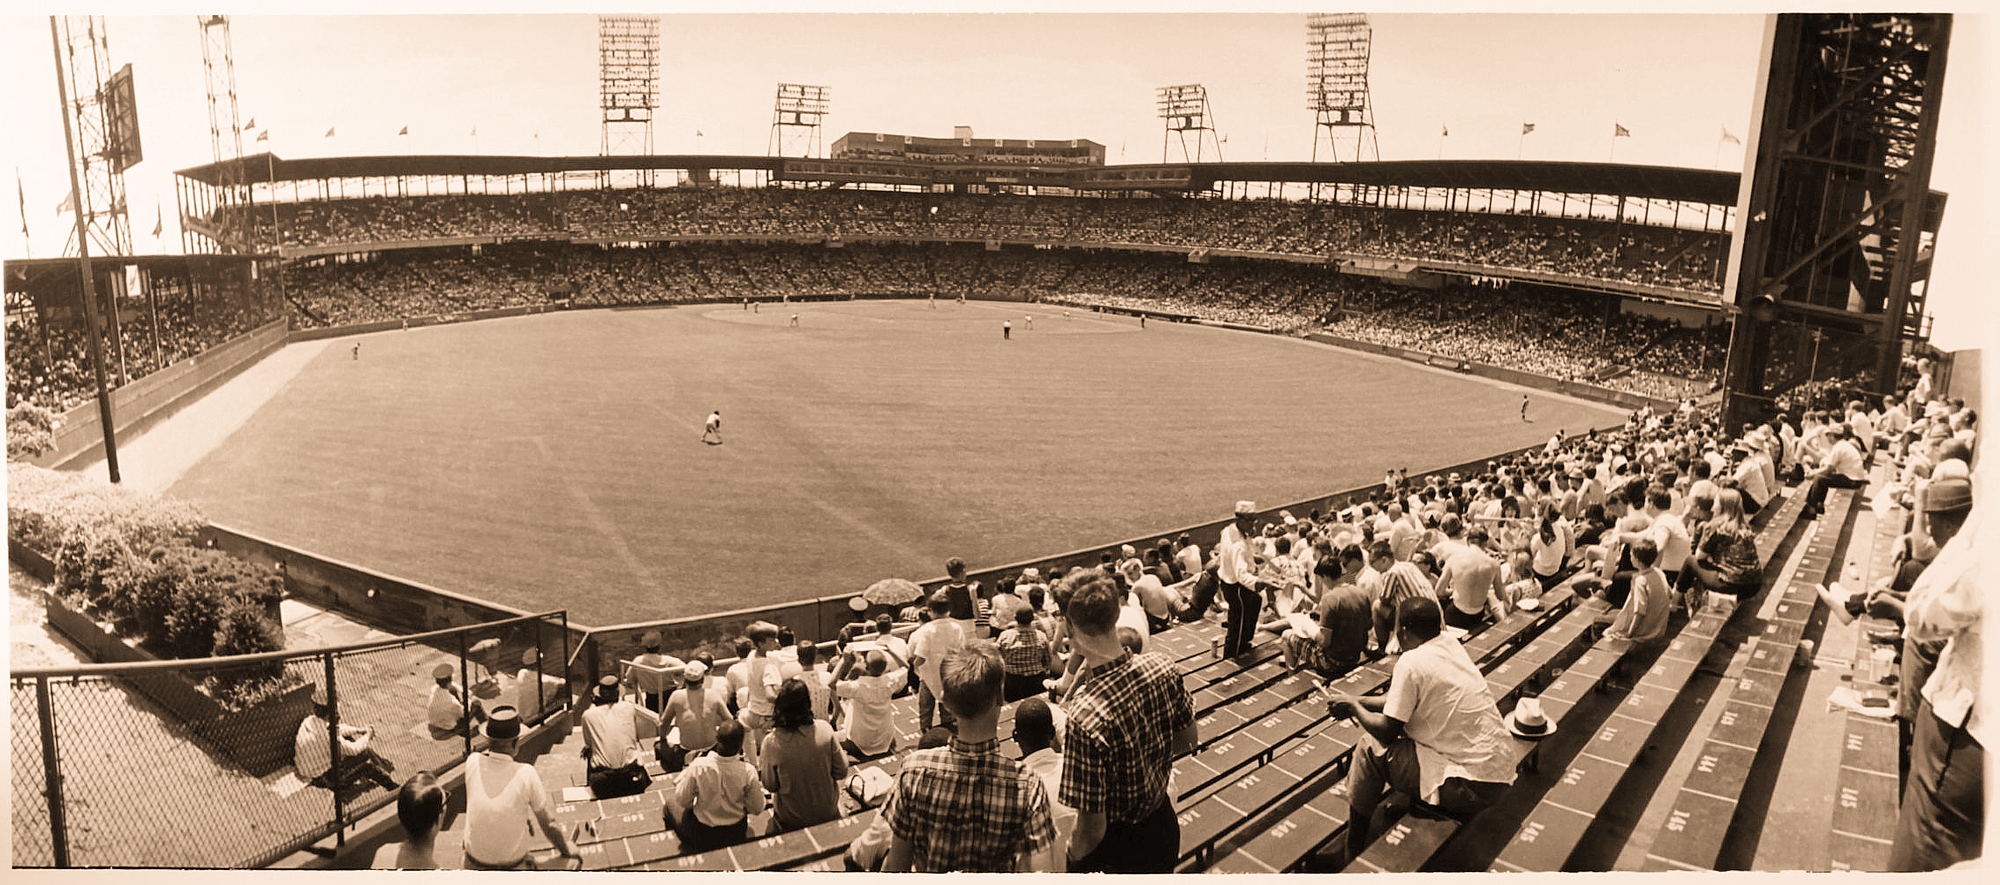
{"x": 261, "y": 657}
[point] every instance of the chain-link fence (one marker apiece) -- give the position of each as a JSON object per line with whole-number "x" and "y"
{"x": 239, "y": 762}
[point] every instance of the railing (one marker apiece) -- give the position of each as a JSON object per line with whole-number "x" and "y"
{"x": 104, "y": 776}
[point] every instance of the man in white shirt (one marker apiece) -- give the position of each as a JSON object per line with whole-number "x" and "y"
{"x": 1436, "y": 735}
{"x": 1941, "y": 819}
{"x": 505, "y": 802}
{"x": 871, "y": 727}
{"x": 1404, "y": 530}
{"x": 1236, "y": 571}
{"x": 611, "y": 743}
{"x": 1750, "y": 479}
{"x": 1843, "y": 470}
{"x": 928, "y": 647}
{"x": 446, "y": 709}
{"x": 359, "y": 763}
{"x": 1039, "y": 734}
{"x": 1668, "y": 531}
{"x": 721, "y": 792}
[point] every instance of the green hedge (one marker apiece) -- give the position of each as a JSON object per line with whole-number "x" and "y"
{"x": 129, "y": 559}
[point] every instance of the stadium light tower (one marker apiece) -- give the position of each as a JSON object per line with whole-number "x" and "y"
{"x": 1337, "y": 86}
{"x": 796, "y": 108}
{"x": 100, "y": 107}
{"x": 225, "y": 134}
{"x": 1185, "y": 109}
{"x": 628, "y": 85}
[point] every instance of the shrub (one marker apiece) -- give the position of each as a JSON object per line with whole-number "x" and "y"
{"x": 47, "y": 508}
{"x": 30, "y": 431}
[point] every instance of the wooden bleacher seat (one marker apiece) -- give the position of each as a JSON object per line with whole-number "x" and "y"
{"x": 1692, "y": 836}
{"x": 1556, "y": 825}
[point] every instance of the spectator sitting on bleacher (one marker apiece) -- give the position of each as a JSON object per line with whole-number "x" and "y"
{"x": 801, "y": 764}
{"x": 420, "y": 811}
{"x": 819, "y": 680}
{"x": 1946, "y": 502}
{"x": 1843, "y": 469}
{"x": 866, "y": 852}
{"x": 1471, "y": 579}
{"x": 692, "y": 715}
{"x": 1643, "y": 618}
{"x": 1403, "y": 581}
{"x": 1128, "y": 718}
{"x": 1435, "y": 736}
{"x": 504, "y": 801}
{"x": 965, "y": 807}
{"x": 721, "y": 793}
{"x": 1333, "y": 638}
{"x": 654, "y": 673}
{"x": 611, "y": 743}
{"x": 871, "y": 730}
{"x": 1027, "y": 655}
{"x": 1159, "y": 603}
{"x": 1038, "y": 731}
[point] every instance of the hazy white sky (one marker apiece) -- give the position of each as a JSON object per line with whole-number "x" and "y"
{"x": 1675, "y": 81}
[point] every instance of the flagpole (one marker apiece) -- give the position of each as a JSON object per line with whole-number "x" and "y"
{"x": 1521, "y": 144}
{"x": 89, "y": 287}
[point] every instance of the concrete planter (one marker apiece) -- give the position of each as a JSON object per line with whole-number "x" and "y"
{"x": 258, "y": 737}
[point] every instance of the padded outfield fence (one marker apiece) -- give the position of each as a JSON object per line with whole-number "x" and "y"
{"x": 137, "y": 765}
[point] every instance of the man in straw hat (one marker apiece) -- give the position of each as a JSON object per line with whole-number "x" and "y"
{"x": 505, "y": 802}
{"x": 1435, "y": 736}
{"x": 611, "y": 743}
{"x": 358, "y": 762}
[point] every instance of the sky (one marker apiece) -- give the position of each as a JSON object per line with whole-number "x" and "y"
{"x": 526, "y": 84}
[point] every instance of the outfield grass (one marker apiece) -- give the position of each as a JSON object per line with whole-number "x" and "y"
{"x": 552, "y": 461}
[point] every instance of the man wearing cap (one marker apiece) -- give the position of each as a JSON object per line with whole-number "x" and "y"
{"x": 692, "y": 713}
{"x": 611, "y": 743}
{"x": 1941, "y": 818}
{"x": 1236, "y": 571}
{"x": 446, "y": 708}
{"x": 359, "y": 763}
{"x": 654, "y": 674}
{"x": 1436, "y": 735}
{"x": 505, "y": 802}
{"x": 528, "y": 691}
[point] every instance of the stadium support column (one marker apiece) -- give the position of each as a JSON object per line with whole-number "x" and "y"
{"x": 88, "y": 291}
{"x": 1835, "y": 219}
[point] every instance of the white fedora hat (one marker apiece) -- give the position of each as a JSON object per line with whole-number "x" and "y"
{"x": 1528, "y": 721}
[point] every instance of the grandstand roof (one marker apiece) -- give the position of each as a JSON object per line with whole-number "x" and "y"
{"x": 1710, "y": 186}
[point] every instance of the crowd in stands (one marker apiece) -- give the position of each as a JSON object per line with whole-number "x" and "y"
{"x": 48, "y": 358}
{"x": 1546, "y": 331}
{"x": 1635, "y": 253}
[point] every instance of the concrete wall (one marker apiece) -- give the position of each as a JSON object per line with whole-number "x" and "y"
{"x": 1579, "y": 389}
{"x": 78, "y": 437}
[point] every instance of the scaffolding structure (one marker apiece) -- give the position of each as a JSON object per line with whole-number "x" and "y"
{"x": 628, "y": 78}
{"x": 1185, "y": 110}
{"x": 797, "y": 113}
{"x": 106, "y": 140}
{"x": 1830, "y": 268}
{"x": 225, "y": 135}
{"x": 1337, "y": 47}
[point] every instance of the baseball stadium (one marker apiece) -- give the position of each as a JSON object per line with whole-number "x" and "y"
{"x": 910, "y": 502}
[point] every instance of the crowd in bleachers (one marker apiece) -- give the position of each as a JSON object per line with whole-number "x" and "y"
{"x": 48, "y": 364}
{"x": 1575, "y": 247}
{"x": 1548, "y": 332}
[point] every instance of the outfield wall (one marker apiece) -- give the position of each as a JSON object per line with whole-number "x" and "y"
{"x": 1577, "y": 389}
{"x": 77, "y": 434}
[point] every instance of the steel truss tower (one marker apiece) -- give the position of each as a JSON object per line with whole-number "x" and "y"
{"x": 1830, "y": 264}
{"x": 628, "y": 78}
{"x": 796, "y": 114}
{"x": 1185, "y": 109}
{"x": 1337, "y": 87}
{"x": 225, "y": 136}
{"x": 99, "y": 156}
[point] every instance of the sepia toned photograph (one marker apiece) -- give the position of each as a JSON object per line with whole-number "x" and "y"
{"x": 1178, "y": 440}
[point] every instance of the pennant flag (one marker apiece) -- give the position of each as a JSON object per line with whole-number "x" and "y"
{"x": 697, "y": 133}
{"x": 1527, "y": 128}
{"x": 23, "y": 193}
{"x": 406, "y": 131}
{"x": 68, "y": 204}
{"x": 264, "y": 136}
{"x": 1446, "y": 133}
{"x": 475, "y": 132}
{"x": 250, "y": 125}
{"x": 159, "y": 224}
{"x": 329, "y": 132}
{"x": 1729, "y": 139}
{"x": 1618, "y": 131}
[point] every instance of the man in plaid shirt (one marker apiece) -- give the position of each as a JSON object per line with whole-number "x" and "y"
{"x": 1129, "y": 716}
{"x": 963, "y": 806}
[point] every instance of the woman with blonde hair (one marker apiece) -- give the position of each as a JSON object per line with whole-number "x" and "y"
{"x": 1726, "y": 561}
